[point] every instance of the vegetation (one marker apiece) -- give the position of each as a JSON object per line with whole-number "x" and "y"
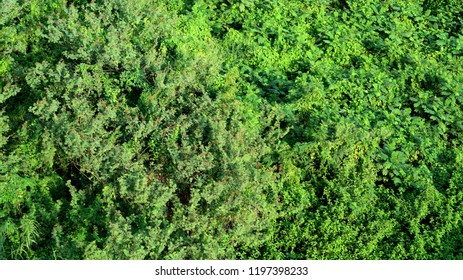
{"x": 231, "y": 129}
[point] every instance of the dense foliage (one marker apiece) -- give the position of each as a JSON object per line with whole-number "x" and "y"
{"x": 231, "y": 129}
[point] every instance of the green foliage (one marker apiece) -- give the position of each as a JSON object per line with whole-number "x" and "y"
{"x": 231, "y": 129}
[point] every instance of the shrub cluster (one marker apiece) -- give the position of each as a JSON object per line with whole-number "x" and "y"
{"x": 231, "y": 129}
